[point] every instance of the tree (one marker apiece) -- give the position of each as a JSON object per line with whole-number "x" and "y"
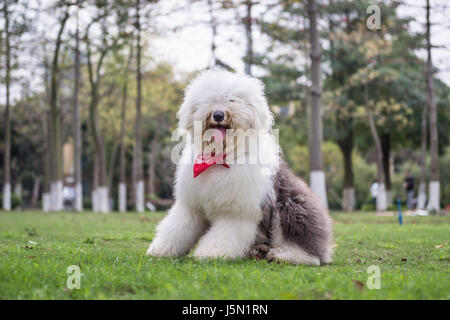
{"x": 47, "y": 134}
{"x": 434, "y": 188}
{"x": 7, "y": 156}
{"x": 138, "y": 170}
{"x": 56, "y": 184}
{"x": 15, "y": 24}
{"x": 123, "y": 117}
{"x": 317, "y": 175}
{"x": 422, "y": 197}
{"x": 248, "y": 32}
{"x": 342, "y": 65}
{"x": 77, "y": 125}
{"x": 100, "y": 192}
{"x": 381, "y": 194}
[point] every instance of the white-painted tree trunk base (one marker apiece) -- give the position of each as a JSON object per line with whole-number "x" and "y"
{"x": 56, "y": 196}
{"x": 6, "y": 197}
{"x": 122, "y": 197}
{"x": 348, "y": 203}
{"x": 318, "y": 186}
{"x": 46, "y": 202}
{"x": 434, "y": 196}
{"x": 139, "y": 197}
{"x": 381, "y": 198}
{"x": 103, "y": 199}
{"x": 94, "y": 200}
{"x": 389, "y": 201}
{"x": 422, "y": 197}
{"x": 78, "y": 197}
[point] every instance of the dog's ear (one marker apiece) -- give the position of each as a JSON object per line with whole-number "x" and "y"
{"x": 184, "y": 116}
{"x": 259, "y": 102}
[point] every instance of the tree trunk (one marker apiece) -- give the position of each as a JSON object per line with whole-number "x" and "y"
{"x": 346, "y": 146}
{"x": 95, "y": 184}
{"x": 214, "y": 33}
{"x": 317, "y": 176}
{"x": 56, "y": 143}
{"x": 35, "y": 195}
{"x": 77, "y": 128}
{"x": 422, "y": 198}
{"x": 112, "y": 162}
{"x": 46, "y": 121}
{"x": 137, "y": 161}
{"x": 47, "y": 178}
{"x": 122, "y": 178}
{"x": 248, "y": 32}
{"x": 7, "y": 155}
{"x": 101, "y": 192}
{"x": 434, "y": 194}
{"x": 381, "y": 196}
{"x": 386, "y": 149}
{"x": 123, "y": 121}
{"x": 151, "y": 190}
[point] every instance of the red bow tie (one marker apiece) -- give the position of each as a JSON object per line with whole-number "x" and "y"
{"x": 202, "y": 163}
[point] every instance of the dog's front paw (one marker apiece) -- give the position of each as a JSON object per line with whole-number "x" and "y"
{"x": 159, "y": 250}
{"x": 213, "y": 251}
{"x": 208, "y": 253}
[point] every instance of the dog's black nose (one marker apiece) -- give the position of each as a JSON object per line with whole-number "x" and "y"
{"x": 218, "y": 116}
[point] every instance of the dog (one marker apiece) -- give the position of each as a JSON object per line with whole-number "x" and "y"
{"x": 235, "y": 208}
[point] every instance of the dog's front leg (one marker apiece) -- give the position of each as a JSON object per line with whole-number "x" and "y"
{"x": 227, "y": 238}
{"x": 178, "y": 232}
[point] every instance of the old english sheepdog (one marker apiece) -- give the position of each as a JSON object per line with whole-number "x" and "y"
{"x": 240, "y": 199}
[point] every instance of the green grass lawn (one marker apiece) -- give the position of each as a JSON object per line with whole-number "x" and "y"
{"x": 36, "y": 249}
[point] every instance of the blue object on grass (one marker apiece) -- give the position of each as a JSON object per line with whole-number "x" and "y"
{"x": 400, "y": 218}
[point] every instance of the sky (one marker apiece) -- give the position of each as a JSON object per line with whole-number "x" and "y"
{"x": 183, "y": 37}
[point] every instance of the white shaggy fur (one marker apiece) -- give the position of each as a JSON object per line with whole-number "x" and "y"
{"x": 220, "y": 209}
{"x": 223, "y": 209}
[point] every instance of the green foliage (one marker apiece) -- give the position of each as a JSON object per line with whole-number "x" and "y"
{"x": 110, "y": 250}
{"x": 87, "y": 203}
{"x": 368, "y": 207}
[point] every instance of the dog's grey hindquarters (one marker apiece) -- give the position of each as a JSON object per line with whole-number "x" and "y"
{"x": 295, "y": 226}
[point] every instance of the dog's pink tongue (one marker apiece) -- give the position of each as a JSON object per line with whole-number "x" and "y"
{"x": 219, "y": 134}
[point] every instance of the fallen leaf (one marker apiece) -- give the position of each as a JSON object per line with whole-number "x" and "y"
{"x": 358, "y": 284}
{"x": 335, "y": 245}
{"x": 439, "y": 245}
{"x": 32, "y": 257}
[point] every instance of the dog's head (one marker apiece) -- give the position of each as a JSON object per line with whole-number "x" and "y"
{"x": 223, "y": 100}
